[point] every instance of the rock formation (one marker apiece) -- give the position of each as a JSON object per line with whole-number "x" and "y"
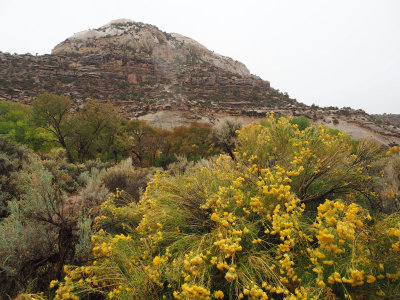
{"x": 168, "y": 51}
{"x": 166, "y": 79}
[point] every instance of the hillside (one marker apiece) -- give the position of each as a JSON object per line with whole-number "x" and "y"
{"x": 393, "y": 119}
{"x": 164, "y": 78}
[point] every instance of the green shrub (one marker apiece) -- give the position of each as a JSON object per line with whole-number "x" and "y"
{"x": 164, "y": 160}
{"x": 302, "y": 122}
{"x": 94, "y": 193}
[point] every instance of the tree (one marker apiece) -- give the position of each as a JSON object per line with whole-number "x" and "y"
{"x": 51, "y": 112}
{"x": 144, "y": 141}
{"x": 15, "y": 122}
{"x": 93, "y": 130}
{"x": 190, "y": 141}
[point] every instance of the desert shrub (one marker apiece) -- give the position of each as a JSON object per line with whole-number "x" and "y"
{"x": 42, "y": 224}
{"x": 367, "y": 152}
{"x": 98, "y": 164}
{"x": 180, "y": 166}
{"x": 256, "y": 227}
{"x": 64, "y": 172}
{"x": 183, "y": 164}
{"x": 13, "y": 158}
{"x": 37, "y": 237}
{"x": 223, "y": 135}
{"x": 94, "y": 193}
{"x": 69, "y": 176}
{"x": 83, "y": 245}
{"x": 324, "y": 159}
{"x": 126, "y": 178}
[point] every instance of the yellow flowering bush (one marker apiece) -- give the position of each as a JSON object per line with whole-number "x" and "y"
{"x": 342, "y": 256}
{"x": 268, "y": 224}
{"x": 318, "y": 161}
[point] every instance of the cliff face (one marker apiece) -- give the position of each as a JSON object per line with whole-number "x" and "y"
{"x": 134, "y": 84}
{"x": 166, "y": 79}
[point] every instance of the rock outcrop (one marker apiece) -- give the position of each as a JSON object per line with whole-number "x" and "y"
{"x": 126, "y": 37}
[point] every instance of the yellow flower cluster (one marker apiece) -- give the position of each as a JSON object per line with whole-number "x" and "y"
{"x": 192, "y": 292}
{"x": 338, "y": 227}
{"x": 255, "y": 292}
{"x": 219, "y": 295}
{"x": 395, "y": 232}
{"x": 393, "y": 150}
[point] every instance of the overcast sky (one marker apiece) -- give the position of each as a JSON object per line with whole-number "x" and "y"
{"x": 337, "y": 52}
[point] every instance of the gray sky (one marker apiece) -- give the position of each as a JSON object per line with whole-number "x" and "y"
{"x": 338, "y": 52}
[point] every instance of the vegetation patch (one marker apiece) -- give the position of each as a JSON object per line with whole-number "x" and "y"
{"x": 289, "y": 216}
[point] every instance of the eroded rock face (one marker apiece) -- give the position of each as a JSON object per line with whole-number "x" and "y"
{"x": 126, "y": 37}
{"x": 131, "y": 82}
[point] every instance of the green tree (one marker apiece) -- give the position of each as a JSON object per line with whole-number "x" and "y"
{"x": 15, "y": 122}
{"x": 51, "y": 112}
{"x": 190, "y": 141}
{"x": 94, "y": 130}
{"x": 144, "y": 140}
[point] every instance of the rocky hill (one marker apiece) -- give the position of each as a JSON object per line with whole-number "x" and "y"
{"x": 166, "y": 79}
{"x": 389, "y": 119}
